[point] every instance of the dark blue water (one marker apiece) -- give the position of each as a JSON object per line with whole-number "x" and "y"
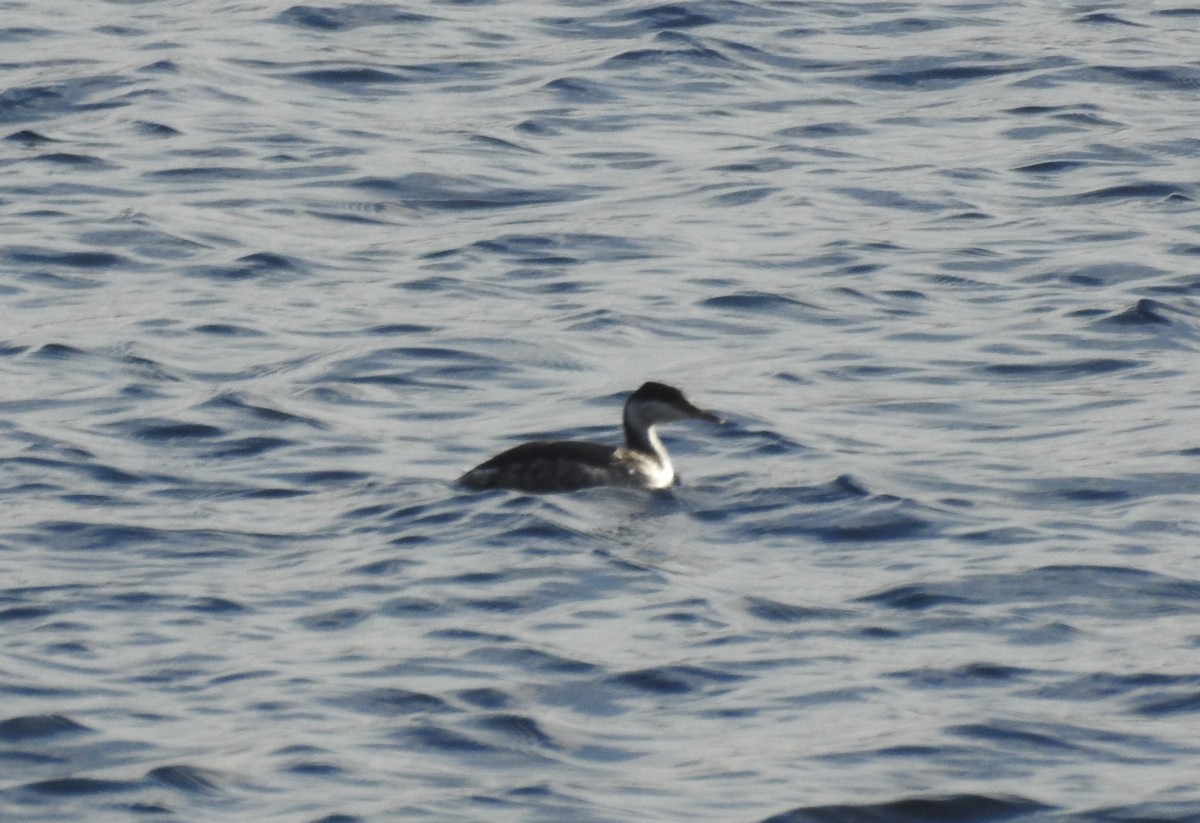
{"x": 272, "y": 276}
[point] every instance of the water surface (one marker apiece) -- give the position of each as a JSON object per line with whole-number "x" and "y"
{"x": 273, "y": 275}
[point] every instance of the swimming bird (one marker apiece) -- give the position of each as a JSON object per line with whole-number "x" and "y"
{"x": 567, "y": 465}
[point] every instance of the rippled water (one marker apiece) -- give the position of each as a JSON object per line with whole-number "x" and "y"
{"x": 274, "y": 275}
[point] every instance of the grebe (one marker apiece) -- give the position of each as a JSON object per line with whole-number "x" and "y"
{"x": 565, "y": 465}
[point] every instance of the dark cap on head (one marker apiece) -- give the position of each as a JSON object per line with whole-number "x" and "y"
{"x": 671, "y": 396}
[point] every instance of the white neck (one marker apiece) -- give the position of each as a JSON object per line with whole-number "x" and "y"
{"x": 643, "y": 439}
{"x": 660, "y": 452}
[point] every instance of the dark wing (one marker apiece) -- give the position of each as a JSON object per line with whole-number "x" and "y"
{"x": 545, "y": 466}
{"x": 572, "y": 450}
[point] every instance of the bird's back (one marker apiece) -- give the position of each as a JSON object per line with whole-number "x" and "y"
{"x": 546, "y": 466}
